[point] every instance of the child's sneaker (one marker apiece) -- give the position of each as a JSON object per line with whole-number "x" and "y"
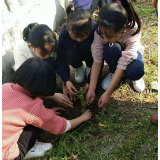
{"x": 87, "y": 71}
{"x": 139, "y": 85}
{"x": 38, "y": 150}
{"x": 106, "y": 82}
{"x": 79, "y": 74}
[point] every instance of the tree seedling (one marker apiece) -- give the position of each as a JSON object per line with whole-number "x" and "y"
{"x": 80, "y": 95}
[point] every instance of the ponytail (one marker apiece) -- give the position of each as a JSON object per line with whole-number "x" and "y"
{"x": 116, "y": 14}
{"x": 71, "y": 8}
{"x": 78, "y": 21}
{"x": 27, "y": 30}
{"x": 132, "y": 16}
{"x": 38, "y": 34}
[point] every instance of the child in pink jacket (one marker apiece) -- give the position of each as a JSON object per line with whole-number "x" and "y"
{"x": 24, "y": 115}
{"x": 117, "y": 41}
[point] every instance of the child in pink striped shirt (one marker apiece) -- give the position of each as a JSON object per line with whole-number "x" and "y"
{"x": 117, "y": 41}
{"x": 24, "y": 115}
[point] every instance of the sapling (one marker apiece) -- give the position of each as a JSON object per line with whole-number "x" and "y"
{"x": 80, "y": 95}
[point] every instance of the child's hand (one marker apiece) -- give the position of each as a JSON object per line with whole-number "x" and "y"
{"x": 104, "y": 99}
{"x": 71, "y": 90}
{"x": 85, "y": 88}
{"x": 87, "y": 115}
{"x": 63, "y": 100}
{"x": 57, "y": 109}
{"x": 90, "y": 97}
{"x": 66, "y": 93}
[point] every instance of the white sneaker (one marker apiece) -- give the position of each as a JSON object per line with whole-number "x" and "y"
{"x": 87, "y": 71}
{"x": 106, "y": 82}
{"x": 79, "y": 74}
{"x": 38, "y": 150}
{"x": 139, "y": 85}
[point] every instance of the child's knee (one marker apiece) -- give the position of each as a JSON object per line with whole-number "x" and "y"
{"x": 135, "y": 72}
{"x": 112, "y": 49}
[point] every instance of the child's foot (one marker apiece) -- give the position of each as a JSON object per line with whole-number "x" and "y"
{"x": 79, "y": 74}
{"x": 139, "y": 85}
{"x": 38, "y": 150}
{"x": 106, "y": 82}
{"x": 87, "y": 71}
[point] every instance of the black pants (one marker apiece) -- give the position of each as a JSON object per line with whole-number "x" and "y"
{"x": 75, "y": 57}
{"x": 27, "y": 139}
{"x": 100, "y": 3}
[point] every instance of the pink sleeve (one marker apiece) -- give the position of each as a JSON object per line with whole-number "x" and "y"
{"x": 130, "y": 52}
{"x": 97, "y": 48}
{"x": 44, "y": 118}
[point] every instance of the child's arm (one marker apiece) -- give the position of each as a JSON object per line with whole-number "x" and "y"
{"x": 46, "y": 119}
{"x": 97, "y": 54}
{"x": 96, "y": 67}
{"x": 62, "y": 66}
{"x": 70, "y": 90}
{"x": 77, "y": 121}
{"x": 60, "y": 99}
{"x": 104, "y": 99}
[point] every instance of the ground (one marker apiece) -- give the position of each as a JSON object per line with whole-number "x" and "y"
{"x": 121, "y": 130}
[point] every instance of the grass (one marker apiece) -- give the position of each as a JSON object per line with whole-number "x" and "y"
{"x": 122, "y": 130}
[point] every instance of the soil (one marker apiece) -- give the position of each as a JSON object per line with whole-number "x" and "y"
{"x": 71, "y": 113}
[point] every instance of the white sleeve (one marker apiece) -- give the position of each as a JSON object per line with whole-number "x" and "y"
{"x": 68, "y": 126}
{"x": 19, "y": 57}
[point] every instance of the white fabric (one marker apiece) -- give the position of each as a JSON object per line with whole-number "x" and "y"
{"x": 22, "y": 52}
{"x": 68, "y": 126}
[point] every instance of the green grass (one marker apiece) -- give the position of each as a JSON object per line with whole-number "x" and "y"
{"x": 125, "y": 132}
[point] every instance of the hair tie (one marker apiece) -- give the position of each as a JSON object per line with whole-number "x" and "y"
{"x": 73, "y": 8}
{"x": 118, "y": 1}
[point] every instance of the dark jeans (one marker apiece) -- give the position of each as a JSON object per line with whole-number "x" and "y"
{"x": 75, "y": 58}
{"x": 134, "y": 71}
{"x": 27, "y": 139}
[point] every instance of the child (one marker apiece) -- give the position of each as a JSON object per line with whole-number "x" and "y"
{"x": 23, "y": 112}
{"x": 39, "y": 41}
{"x": 118, "y": 22}
{"x": 90, "y": 5}
{"x": 74, "y": 46}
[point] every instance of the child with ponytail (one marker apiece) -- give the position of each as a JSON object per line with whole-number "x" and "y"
{"x": 39, "y": 41}
{"x": 117, "y": 41}
{"x": 74, "y": 46}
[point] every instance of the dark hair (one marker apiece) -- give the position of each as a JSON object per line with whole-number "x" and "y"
{"x": 38, "y": 35}
{"x": 36, "y": 76}
{"x": 75, "y": 21}
{"x": 114, "y": 16}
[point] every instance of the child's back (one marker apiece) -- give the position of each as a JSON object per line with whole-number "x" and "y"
{"x": 20, "y": 109}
